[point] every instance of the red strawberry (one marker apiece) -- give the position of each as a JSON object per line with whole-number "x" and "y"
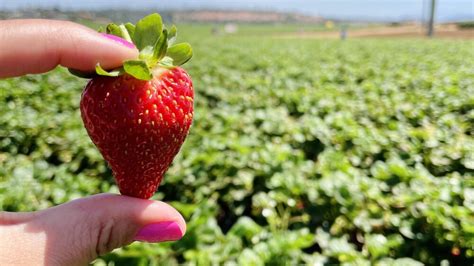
{"x": 139, "y": 115}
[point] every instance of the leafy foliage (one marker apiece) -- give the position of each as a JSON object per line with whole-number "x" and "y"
{"x": 466, "y": 25}
{"x": 302, "y": 152}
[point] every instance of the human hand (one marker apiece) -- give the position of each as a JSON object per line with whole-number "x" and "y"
{"x": 77, "y": 232}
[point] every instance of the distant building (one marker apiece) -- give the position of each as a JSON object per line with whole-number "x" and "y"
{"x": 231, "y": 28}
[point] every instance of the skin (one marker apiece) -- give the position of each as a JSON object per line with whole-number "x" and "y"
{"x": 73, "y": 233}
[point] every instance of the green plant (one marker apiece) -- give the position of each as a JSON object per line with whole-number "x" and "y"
{"x": 302, "y": 152}
{"x": 466, "y": 25}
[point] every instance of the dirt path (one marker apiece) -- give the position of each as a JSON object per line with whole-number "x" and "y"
{"x": 407, "y": 31}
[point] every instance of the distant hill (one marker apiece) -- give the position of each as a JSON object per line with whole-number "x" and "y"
{"x": 99, "y": 15}
{"x": 215, "y": 16}
{"x": 243, "y": 16}
{"x": 343, "y": 10}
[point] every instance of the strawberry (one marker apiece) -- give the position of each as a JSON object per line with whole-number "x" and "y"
{"x": 139, "y": 115}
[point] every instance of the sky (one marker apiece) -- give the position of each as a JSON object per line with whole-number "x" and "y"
{"x": 384, "y": 10}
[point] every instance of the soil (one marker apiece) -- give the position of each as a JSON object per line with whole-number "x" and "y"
{"x": 450, "y": 31}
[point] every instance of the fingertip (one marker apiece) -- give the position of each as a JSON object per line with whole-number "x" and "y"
{"x": 119, "y": 40}
{"x": 162, "y": 223}
{"x": 159, "y": 211}
{"x": 159, "y": 232}
{"x": 108, "y": 50}
{"x": 34, "y": 46}
{"x": 142, "y": 212}
{"x": 156, "y": 221}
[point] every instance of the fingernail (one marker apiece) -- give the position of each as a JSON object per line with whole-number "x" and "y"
{"x": 159, "y": 232}
{"x": 119, "y": 40}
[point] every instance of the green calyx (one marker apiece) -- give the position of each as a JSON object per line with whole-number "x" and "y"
{"x": 156, "y": 46}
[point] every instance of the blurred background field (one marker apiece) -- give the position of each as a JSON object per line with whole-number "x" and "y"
{"x": 305, "y": 149}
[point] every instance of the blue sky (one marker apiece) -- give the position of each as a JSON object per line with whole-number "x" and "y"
{"x": 349, "y": 9}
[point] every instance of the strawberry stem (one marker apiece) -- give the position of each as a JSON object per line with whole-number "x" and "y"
{"x": 125, "y": 33}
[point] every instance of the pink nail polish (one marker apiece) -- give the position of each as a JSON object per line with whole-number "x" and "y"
{"x": 159, "y": 232}
{"x": 118, "y": 40}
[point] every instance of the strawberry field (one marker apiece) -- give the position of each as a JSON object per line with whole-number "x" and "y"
{"x": 301, "y": 152}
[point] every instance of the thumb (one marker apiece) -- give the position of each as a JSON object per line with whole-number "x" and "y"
{"x": 81, "y": 230}
{"x": 38, "y": 45}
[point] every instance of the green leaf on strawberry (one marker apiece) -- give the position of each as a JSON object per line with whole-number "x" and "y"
{"x": 138, "y": 69}
{"x": 147, "y": 31}
{"x": 130, "y": 29}
{"x": 156, "y": 46}
{"x": 180, "y": 53}
{"x": 115, "y": 73}
{"x": 172, "y": 35}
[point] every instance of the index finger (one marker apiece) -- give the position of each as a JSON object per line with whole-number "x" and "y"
{"x": 37, "y": 46}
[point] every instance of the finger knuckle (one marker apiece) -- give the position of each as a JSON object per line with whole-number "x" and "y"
{"x": 105, "y": 240}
